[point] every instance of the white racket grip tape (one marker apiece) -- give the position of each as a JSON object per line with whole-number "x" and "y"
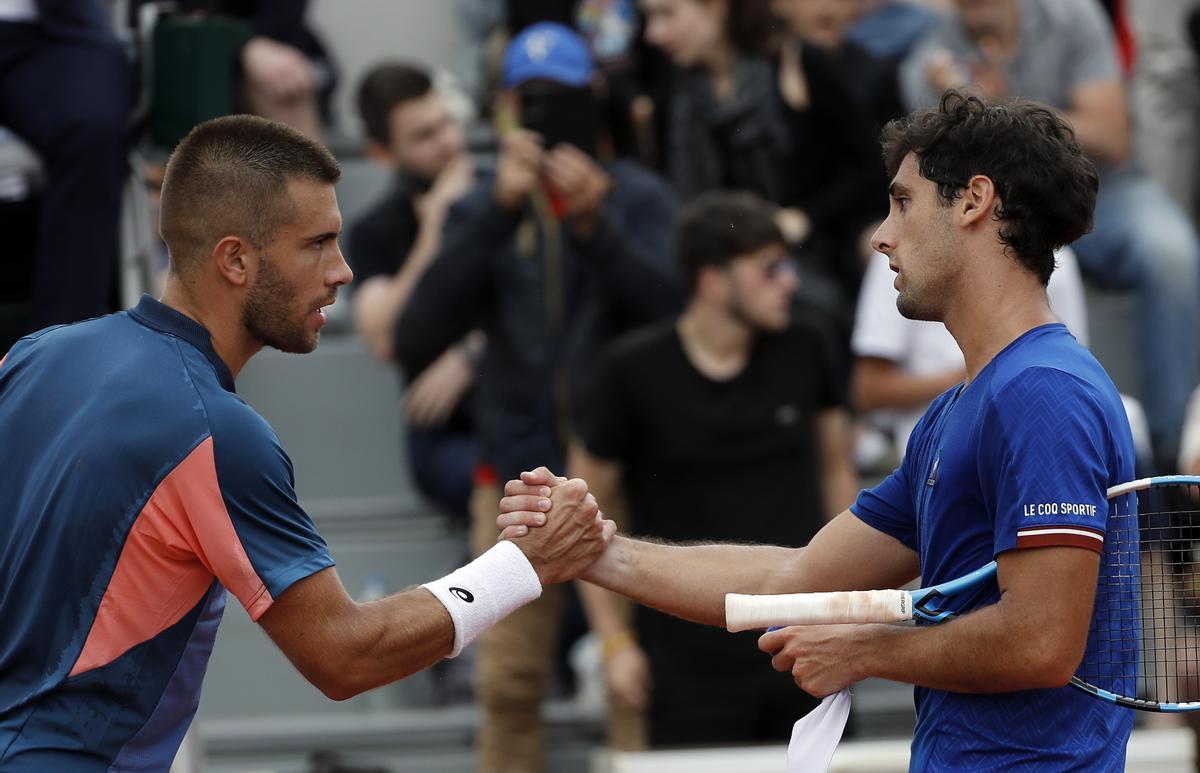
{"x": 745, "y": 613}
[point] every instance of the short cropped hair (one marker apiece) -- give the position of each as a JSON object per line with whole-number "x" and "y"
{"x": 718, "y": 226}
{"x": 229, "y": 176}
{"x": 384, "y": 88}
{"x": 1046, "y": 185}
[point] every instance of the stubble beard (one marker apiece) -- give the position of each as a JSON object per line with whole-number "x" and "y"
{"x": 265, "y": 313}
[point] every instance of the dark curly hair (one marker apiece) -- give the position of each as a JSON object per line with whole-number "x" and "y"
{"x": 1046, "y": 185}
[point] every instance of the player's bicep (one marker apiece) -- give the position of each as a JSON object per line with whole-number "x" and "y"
{"x": 299, "y": 620}
{"x": 1049, "y": 593}
{"x": 846, "y": 554}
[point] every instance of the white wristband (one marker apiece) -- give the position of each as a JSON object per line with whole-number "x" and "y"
{"x": 479, "y": 594}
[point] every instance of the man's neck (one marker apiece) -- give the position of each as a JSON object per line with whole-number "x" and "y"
{"x": 715, "y": 342}
{"x": 1005, "y": 306}
{"x": 720, "y": 64}
{"x": 228, "y": 336}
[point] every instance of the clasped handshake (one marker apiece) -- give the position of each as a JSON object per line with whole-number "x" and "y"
{"x": 556, "y": 523}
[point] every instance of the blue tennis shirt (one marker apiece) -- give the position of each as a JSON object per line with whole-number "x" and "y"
{"x": 1020, "y": 458}
{"x": 137, "y": 487}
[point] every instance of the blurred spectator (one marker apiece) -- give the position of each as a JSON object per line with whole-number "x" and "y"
{"x": 870, "y": 79}
{"x": 67, "y": 92}
{"x": 725, "y": 126}
{"x": 1166, "y": 97}
{"x": 733, "y": 407}
{"x": 1189, "y": 450}
{"x": 786, "y": 130}
{"x": 836, "y": 177}
{"x": 902, "y": 364}
{"x": 286, "y": 72}
{"x": 549, "y": 257}
{"x": 1062, "y": 52}
{"x": 888, "y": 29}
{"x": 411, "y": 129}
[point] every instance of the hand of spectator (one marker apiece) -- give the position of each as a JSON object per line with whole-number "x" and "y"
{"x": 989, "y": 74}
{"x": 946, "y": 72}
{"x": 794, "y": 224}
{"x": 627, "y": 673}
{"x": 430, "y": 399}
{"x": 574, "y": 536}
{"x": 450, "y": 186}
{"x": 581, "y": 183}
{"x": 518, "y": 168}
{"x": 281, "y": 71}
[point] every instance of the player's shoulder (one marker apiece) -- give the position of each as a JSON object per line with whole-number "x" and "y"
{"x": 238, "y": 428}
{"x": 1048, "y": 358}
{"x": 1052, "y": 377}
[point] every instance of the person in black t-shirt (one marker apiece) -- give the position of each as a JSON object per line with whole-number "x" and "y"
{"x": 733, "y": 413}
{"x": 411, "y": 129}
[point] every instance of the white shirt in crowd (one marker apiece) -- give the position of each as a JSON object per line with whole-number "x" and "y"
{"x": 926, "y": 348}
{"x": 18, "y": 10}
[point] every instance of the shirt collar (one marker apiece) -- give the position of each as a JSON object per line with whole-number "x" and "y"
{"x": 162, "y": 317}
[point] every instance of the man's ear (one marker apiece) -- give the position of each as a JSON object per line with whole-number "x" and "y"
{"x": 711, "y": 282}
{"x": 232, "y": 257}
{"x": 379, "y": 153}
{"x": 978, "y": 201}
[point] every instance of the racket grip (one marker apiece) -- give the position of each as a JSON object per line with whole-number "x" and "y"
{"x": 744, "y": 613}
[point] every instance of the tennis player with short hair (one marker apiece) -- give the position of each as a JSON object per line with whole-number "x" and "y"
{"x": 138, "y": 487}
{"x": 1013, "y": 464}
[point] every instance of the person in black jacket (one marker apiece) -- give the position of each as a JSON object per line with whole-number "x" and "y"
{"x": 411, "y": 129}
{"x": 65, "y": 88}
{"x": 549, "y": 257}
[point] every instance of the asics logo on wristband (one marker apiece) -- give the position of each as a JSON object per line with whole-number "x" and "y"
{"x": 463, "y": 594}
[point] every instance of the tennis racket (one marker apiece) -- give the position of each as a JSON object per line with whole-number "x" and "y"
{"x": 1143, "y": 652}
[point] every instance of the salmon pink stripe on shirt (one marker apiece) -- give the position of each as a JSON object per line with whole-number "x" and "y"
{"x": 181, "y": 540}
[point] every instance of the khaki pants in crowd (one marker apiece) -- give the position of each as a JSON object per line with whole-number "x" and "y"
{"x": 515, "y": 665}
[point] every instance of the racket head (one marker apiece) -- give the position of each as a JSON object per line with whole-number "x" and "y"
{"x": 1143, "y": 649}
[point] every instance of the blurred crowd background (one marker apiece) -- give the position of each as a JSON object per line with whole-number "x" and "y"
{"x": 627, "y": 239}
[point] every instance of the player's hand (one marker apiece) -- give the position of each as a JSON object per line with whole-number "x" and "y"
{"x": 581, "y": 182}
{"x": 281, "y": 71}
{"x": 526, "y": 502}
{"x": 819, "y": 657}
{"x": 517, "y": 171}
{"x": 431, "y": 398}
{"x": 574, "y": 536}
{"x": 627, "y": 674}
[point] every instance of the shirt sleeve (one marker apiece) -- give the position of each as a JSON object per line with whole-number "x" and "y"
{"x": 1093, "y": 54}
{"x": 258, "y": 489}
{"x": 1043, "y": 446}
{"x": 889, "y": 507}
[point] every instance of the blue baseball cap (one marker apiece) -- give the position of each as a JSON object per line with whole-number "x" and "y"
{"x": 547, "y": 51}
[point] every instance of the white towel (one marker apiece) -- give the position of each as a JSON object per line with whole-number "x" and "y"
{"x": 815, "y": 736}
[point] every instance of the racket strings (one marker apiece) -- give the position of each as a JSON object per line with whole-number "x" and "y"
{"x": 1144, "y": 642}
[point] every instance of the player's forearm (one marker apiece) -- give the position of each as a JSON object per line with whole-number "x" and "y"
{"x": 983, "y": 652}
{"x": 383, "y": 641}
{"x": 688, "y": 581}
